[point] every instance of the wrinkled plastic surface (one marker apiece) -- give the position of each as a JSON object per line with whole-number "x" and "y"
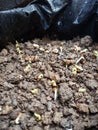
{"x": 10, "y": 4}
{"x": 63, "y": 18}
{"x": 79, "y": 18}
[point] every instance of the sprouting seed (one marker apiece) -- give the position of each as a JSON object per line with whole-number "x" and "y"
{"x": 79, "y": 68}
{"x": 61, "y": 49}
{"x": 95, "y": 53}
{"x": 53, "y": 83}
{"x": 55, "y": 51}
{"x": 17, "y": 121}
{"x": 17, "y": 49}
{"x": 17, "y": 44}
{"x": 20, "y": 76}
{"x": 41, "y": 49}
{"x": 20, "y": 52}
{"x": 80, "y": 59}
{"x": 74, "y": 71}
{"x": 55, "y": 93}
{"x": 47, "y": 51}
{"x": 37, "y": 116}
{"x": 27, "y": 69}
{"x": 36, "y": 46}
{"x": 82, "y": 90}
{"x": 77, "y": 48}
{"x": 40, "y": 77}
{"x": 35, "y": 91}
{"x": 83, "y": 51}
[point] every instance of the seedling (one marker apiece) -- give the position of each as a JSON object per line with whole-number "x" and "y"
{"x": 20, "y": 52}
{"x": 55, "y": 89}
{"x": 17, "y": 44}
{"x": 81, "y": 59}
{"x": 37, "y": 116}
{"x": 27, "y": 69}
{"x": 35, "y": 91}
{"x": 40, "y": 77}
{"x": 17, "y": 121}
{"x": 60, "y": 52}
{"x": 61, "y": 49}
{"x": 79, "y": 68}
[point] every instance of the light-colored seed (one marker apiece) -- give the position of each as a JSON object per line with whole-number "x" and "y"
{"x": 47, "y": 51}
{"x": 82, "y": 90}
{"x": 36, "y": 46}
{"x": 41, "y": 49}
{"x": 55, "y": 51}
{"x": 95, "y": 53}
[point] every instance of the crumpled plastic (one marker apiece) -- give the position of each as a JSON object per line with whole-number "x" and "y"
{"x": 79, "y": 18}
{"x": 65, "y": 19}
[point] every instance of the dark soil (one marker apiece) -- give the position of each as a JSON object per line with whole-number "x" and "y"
{"x": 31, "y": 73}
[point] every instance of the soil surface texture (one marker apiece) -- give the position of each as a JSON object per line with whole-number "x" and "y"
{"x": 49, "y": 85}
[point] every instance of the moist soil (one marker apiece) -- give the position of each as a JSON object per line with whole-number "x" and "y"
{"x": 49, "y": 85}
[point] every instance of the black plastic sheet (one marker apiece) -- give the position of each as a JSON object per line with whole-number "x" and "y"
{"x": 63, "y": 18}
